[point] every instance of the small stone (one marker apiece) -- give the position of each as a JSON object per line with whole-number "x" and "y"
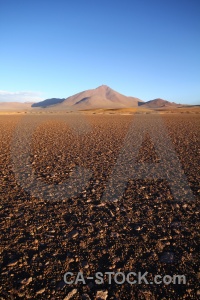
{"x": 20, "y": 295}
{"x": 71, "y": 294}
{"x": 85, "y": 264}
{"x": 40, "y": 291}
{"x": 26, "y": 281}
{"x": 138, "y": 228}
{"x": 114, "y": 200}
{"x": 13, "y": 263}
{"x": 114, "y": 235}
{"x": 111, "y": 213}
{"x": 73, "y": 233}
{"x": 101, "y": 295}
{"x": 101, "y": 204}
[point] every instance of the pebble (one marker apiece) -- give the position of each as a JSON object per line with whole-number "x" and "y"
{"x": 114, "y": 234}
{"x": 73, "y": 233}
{"x": 71, "y": 294}
{"x": 26, "y": 281}
{"x": 13, "y": 263}
{"x": 41, "y": 291}
{"x": 101, "y": 295}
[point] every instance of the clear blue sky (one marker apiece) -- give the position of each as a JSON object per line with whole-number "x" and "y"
{"x": 143, "y": 48}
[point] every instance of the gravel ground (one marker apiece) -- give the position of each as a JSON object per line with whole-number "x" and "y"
{"x": 45, "y": 233}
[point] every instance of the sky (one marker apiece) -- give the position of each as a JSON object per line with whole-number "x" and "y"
{"x": 145, "y": 49}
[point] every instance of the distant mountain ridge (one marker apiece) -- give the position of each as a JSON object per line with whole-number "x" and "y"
{"x": 48, "y": 102}
{"x": 158, "y": 103}
{"x": 102, "y": 97}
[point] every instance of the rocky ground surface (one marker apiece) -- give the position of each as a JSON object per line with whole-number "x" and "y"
{"x": 45, "y": 232}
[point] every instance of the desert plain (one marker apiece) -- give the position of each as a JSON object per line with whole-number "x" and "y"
{"x": 46, "y": 232}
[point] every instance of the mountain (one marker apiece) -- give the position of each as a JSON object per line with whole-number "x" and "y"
{"x": 158, "y": 103}
{"x": 101, "y": 97}
{"x": 48, "y": 102}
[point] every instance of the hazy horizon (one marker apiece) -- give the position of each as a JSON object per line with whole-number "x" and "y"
{"x": 28, "y": 97}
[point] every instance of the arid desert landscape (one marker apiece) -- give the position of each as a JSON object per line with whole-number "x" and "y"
{"x": 49, "y": 228}
{"x": 99, "y": 150}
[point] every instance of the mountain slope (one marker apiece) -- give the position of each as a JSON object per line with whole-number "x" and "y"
{"x": 48, "y": 102}
{"x": 101, "y": 97}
